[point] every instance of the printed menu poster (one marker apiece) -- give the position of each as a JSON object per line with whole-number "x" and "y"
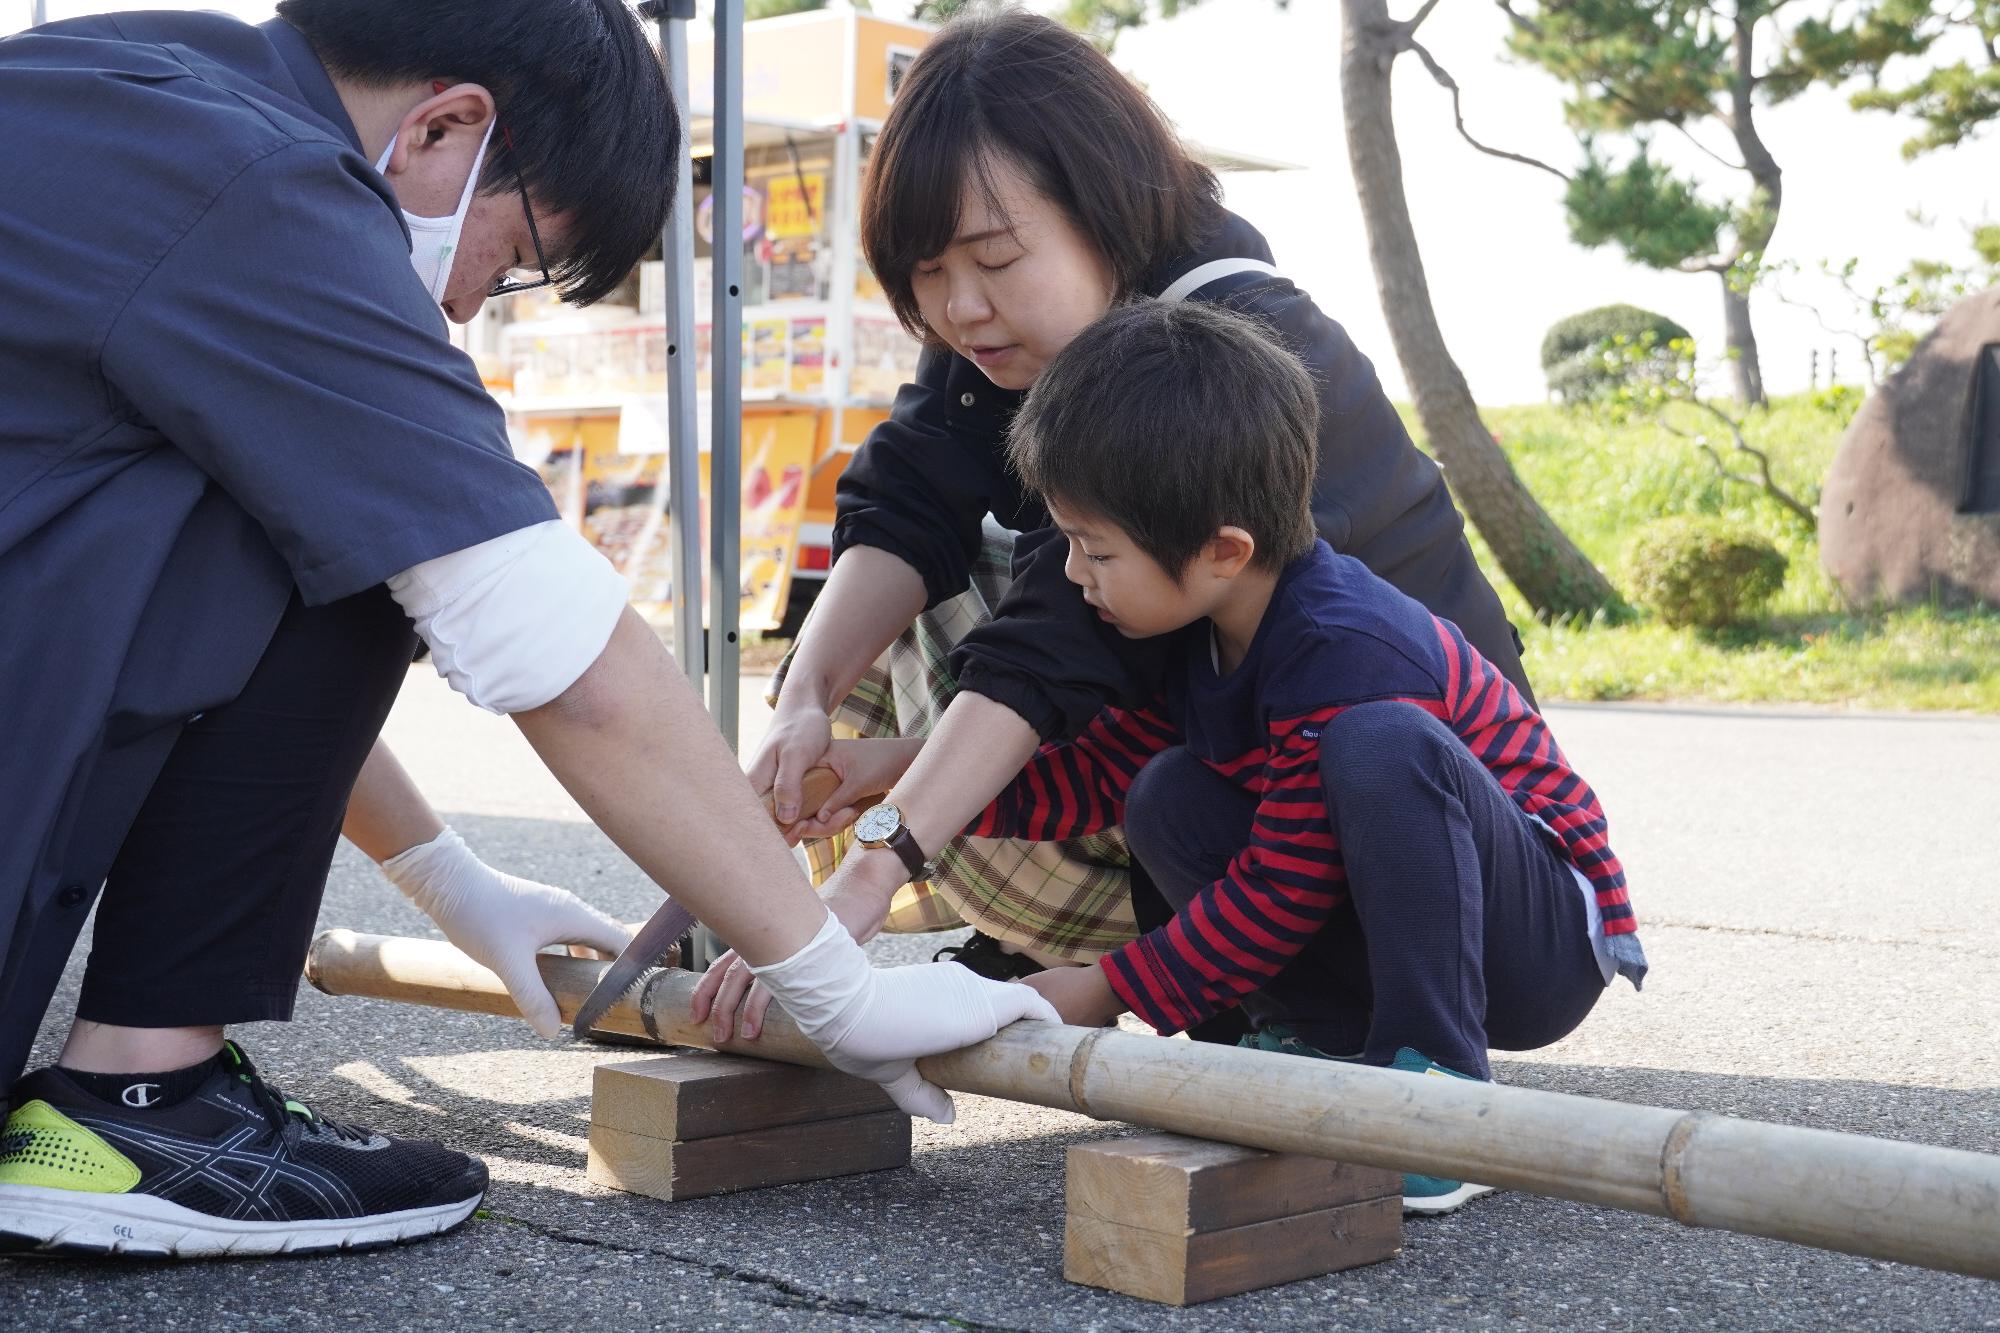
{"x": 795, "y": 204}
{"x": 794, "y": 272}
{"x": 764, "y": 356}
{"x": 808, "y": 357}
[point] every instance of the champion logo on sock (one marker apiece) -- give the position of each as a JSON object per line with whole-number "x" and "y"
{"x": 140, "y": 1095}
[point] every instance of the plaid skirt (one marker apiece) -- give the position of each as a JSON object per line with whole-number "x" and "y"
{"x": 1069, "y": 900}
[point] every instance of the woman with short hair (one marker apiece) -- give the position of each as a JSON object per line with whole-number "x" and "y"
{"x": 1021, "y": 187}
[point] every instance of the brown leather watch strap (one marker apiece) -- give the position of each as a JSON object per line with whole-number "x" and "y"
{"x": 906, "y": 847}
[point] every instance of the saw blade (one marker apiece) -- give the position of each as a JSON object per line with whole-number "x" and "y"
{"x": 672, "y": 920}
{"x": 648, "y": 947}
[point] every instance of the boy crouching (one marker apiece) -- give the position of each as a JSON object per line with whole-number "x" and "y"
{"x": 1371, "y": 842}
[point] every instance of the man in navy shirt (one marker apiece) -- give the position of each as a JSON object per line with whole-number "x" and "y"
{"x": 238, "y": 461}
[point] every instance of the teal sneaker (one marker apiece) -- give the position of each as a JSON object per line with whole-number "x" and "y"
{"x": 1432, "y": 1196}
{"x": 1281, "y": 1040}
{"x": 1428, "y": 1196}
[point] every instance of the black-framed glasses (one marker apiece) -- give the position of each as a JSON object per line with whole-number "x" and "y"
{"x": 508, "y": 284}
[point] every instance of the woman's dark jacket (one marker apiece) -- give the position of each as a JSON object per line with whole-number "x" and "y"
{"x": 920, "y": 485}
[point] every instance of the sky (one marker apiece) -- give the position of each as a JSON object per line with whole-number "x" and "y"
{"x": 1259, "y": 78}
{"x": 1493, "y": 234}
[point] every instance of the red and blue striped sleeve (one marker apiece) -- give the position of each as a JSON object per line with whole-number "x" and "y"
{"x": 1075, "y": 787}
{"x": 1239, "y": 932}
{"x": 1510, "y": 738}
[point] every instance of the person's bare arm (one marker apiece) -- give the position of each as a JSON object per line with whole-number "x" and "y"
{"x": 386, "y": 814}
{"x": 630, "y": 742}
{"x": 870, "y": 598}
{"x": 976, "y": 749}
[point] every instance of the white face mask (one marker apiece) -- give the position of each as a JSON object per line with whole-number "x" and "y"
{"x": 433, "y": 241}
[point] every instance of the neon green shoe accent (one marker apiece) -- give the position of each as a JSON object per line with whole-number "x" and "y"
{"x": 234, "y": 1054}
{"x": 45, "y": 1148}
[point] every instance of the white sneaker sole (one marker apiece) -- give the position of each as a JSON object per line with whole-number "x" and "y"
{"x": 37, "y": 1219}
{"x": 1435, "y": 1204}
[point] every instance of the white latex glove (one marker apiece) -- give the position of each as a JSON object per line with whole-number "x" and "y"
{"x": 499, "y": 921}
{"x": 874, "y": 1024}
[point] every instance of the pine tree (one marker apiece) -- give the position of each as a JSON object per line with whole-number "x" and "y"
{"x": 1952, "y": 99}
{"x": 1637, "y": 67}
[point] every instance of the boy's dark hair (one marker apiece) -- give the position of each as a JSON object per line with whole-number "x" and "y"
{"x": 1173, "y": 421}
{"x": 1017, "y": 87}
{"x": 590, "y": 124}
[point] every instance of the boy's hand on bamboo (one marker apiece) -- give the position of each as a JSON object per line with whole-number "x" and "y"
{"x": 1082, "y": 995}
{"x": 734, "y": 1002}
{"x": 730, "y": 999}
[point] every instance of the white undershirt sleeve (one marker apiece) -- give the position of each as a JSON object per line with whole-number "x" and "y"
{"x": 513, "y": 622}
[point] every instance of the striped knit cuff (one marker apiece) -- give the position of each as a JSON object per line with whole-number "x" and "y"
{"x": 1161, "y": 1004}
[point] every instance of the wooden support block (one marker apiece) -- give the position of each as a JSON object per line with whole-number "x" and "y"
{"x": 684, "y": 1126}
{"x": 1179, "y": 1185}
{"x": 1180, "y": 1220}
{"x": 1187, "y": 1269}
{"x": 722, "y": 1164}
{"x": 684, "y": 1097}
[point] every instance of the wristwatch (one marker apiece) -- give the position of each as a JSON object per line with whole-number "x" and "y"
{"x": 882, "y": 826}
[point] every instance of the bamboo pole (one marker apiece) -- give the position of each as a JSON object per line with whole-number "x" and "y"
{"x": 1938, "y": 1207}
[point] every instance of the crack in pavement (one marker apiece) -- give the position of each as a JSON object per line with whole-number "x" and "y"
{"x": 777, "y": 1291}
{"x": 1819, "y": 936}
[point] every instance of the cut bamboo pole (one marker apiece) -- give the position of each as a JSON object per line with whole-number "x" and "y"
{"x": 1938, "y": 1207}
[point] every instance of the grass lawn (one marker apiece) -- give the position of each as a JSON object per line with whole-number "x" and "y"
{"x": 1602, "y": 482}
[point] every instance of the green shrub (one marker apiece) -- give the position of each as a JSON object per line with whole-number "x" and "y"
{"x": 1573, "y": 349}
{"x": 1839, "y": 401}
{"x": 1702, "y": 571}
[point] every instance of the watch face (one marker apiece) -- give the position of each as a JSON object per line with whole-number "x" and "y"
{"x": 878, "y": 823}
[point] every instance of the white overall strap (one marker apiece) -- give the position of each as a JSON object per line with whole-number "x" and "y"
{"x": 1192, "y": 281}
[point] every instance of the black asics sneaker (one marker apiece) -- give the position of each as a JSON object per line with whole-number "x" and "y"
{"x": 232, "y": 1168}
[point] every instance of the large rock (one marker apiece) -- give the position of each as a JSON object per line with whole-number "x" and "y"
{"x": 1911, "y": 509}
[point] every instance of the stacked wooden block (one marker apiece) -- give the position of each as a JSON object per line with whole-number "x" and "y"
{"x": 1182, "y": 1220}
{"x": 682, "y": 1126}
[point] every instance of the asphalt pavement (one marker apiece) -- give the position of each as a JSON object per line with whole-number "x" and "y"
{"x": 1815, "y": 891}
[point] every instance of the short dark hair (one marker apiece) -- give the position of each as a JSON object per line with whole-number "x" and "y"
{"x": 590, "y": 123}
{"x": 1022, "y": 88}
{"x": 1173, "y": 421}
